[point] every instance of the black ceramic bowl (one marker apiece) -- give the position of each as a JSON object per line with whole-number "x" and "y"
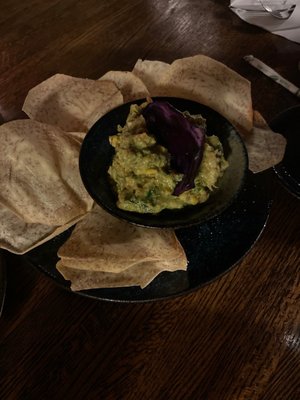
{"x": 96, "y": 157}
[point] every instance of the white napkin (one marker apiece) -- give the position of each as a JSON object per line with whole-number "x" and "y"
{"x": 289, "y": 28}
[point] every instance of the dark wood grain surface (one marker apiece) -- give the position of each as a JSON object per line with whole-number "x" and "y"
{"x": 235, "y": 339}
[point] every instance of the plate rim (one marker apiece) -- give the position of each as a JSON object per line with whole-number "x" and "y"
{"x": 87, "y": 293}
{"x": 3, "y": 280}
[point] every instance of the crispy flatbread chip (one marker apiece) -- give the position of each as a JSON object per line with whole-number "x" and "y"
{"x": 78, "y": 136}
{"x": 140, "y": 274}
{"x": 131, "y": 86}
{"x": 73, "y": 104}
{"x": 265, "y": 148}
{"x": 205, "y": 80}
{"x": 39, "y": 174}
{"x": 104, "y": 243}
{"x": 215, "y": 85}
{"x": 153, "y": 74}
{"x": 209, "y": 82}
{"x": 19, "y": 237}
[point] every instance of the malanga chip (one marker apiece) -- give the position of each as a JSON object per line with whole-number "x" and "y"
{"x": 131, "y": 86}
{"x": 205, "y": 80}
{"x": 72, "y": 104}
{"x": 104, "y": 251}
{"x": 39, "y": 174}
{"x": 104, "y": 243}
{"x": 210, "y": 82}
{"x": 140, "y": 274}
{"x": 19, "y": 237}
{"x": 152, "y": 73}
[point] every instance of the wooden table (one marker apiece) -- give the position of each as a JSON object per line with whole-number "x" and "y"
{"x": 235, "y": 339}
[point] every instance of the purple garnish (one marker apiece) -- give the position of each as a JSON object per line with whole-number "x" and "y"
{"x": 182, "y": 138}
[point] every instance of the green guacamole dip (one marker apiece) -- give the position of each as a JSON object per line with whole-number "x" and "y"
{"x": 141, "y": 174}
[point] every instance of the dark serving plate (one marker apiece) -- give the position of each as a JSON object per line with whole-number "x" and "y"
{"x": 96, "y": 157}
{"x": 212, "y": 248}
{"x": 2, "y": 281}
{"x": 288, "y": 171}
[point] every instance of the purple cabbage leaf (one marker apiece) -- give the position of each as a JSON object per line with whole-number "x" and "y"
{"x": 183, "y": 139}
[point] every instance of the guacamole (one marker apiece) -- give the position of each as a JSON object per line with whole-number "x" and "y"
{"x": 141, "y": 173}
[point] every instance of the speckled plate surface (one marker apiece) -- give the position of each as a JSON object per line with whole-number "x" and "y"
{"x": 212, "y": 248}
{"x": 288, "y": 171}
{"x": 96, "y": 156}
